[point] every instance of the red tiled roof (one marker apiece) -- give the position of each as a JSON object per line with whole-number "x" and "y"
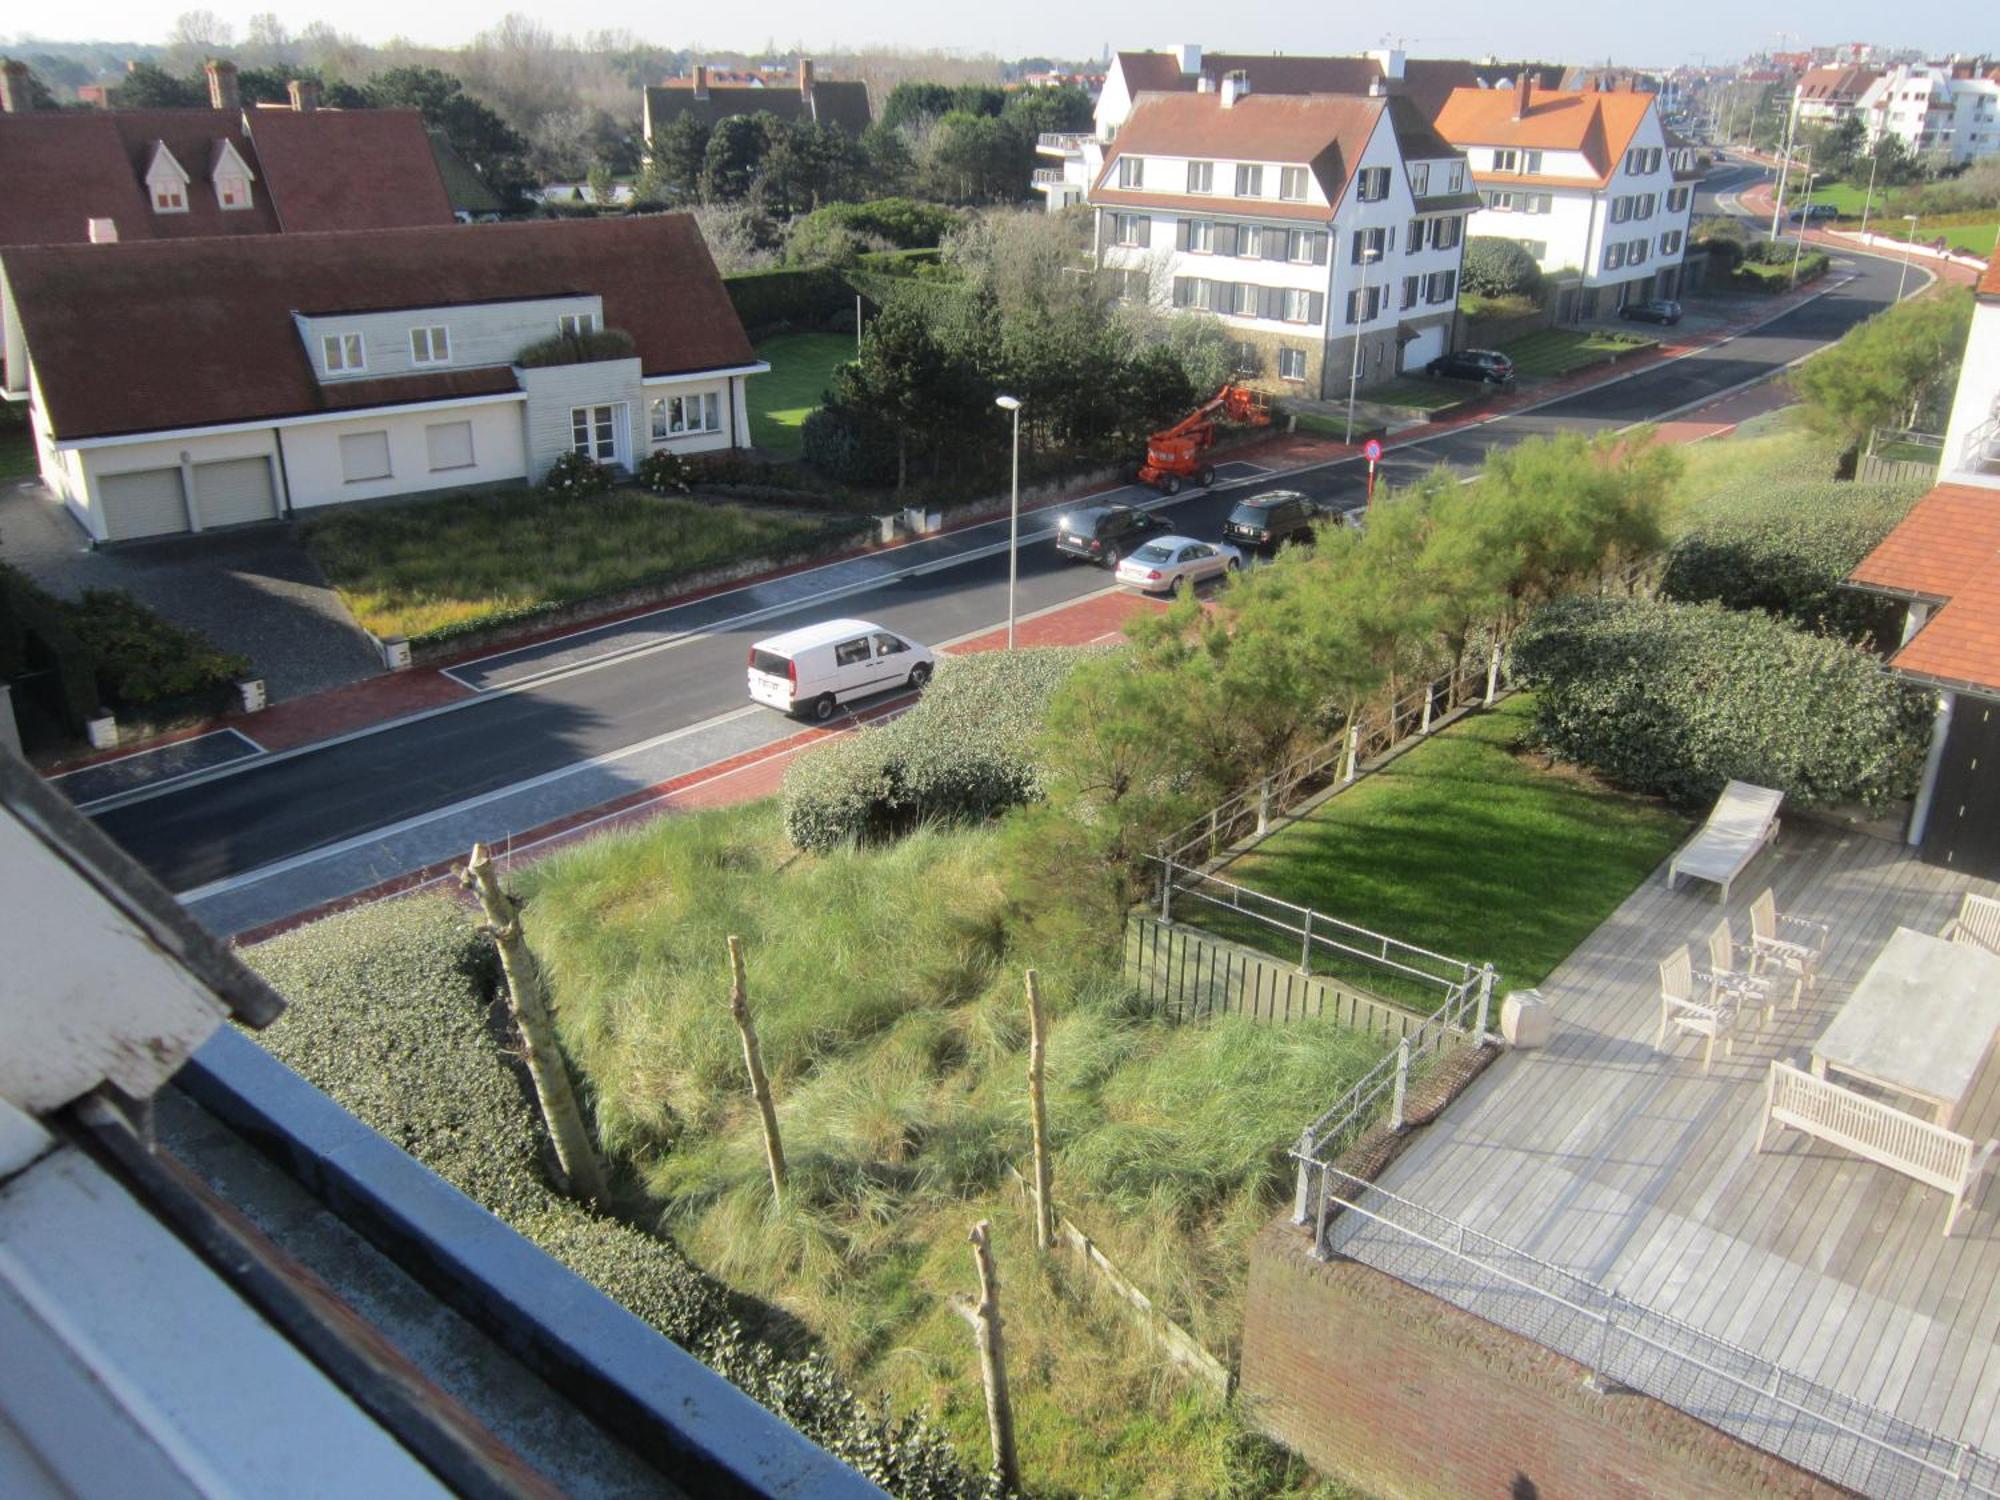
{"x": 1326, "y": 132}
{"x": 343, "y": 168}
{"x": 1947, "y": 548}
{"x": 1600, "y": 125}
{"x": 1837, "y": 83}
{"x": 1427, "y": 81}
{"x": 201, "y": 332}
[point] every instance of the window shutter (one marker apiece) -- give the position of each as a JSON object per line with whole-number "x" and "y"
{"x": 1180, "y": 291}
{"x": 1181, "y": 234}
{"x": 1315, "y": 307}
{"x": 1354, "y": 257}
{"x": 1277, "y": 242}
{"x": 1271, "y": 301}
{"x": 1319, "y": 240}
{"x": 1225, "y": 239}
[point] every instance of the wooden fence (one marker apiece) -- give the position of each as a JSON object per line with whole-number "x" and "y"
{"x": 1871, "y": 468}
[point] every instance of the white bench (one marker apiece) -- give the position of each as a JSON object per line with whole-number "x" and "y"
{"x": 1743, "y": 820}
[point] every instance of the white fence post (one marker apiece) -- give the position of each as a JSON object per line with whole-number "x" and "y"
{"x": 1166, "y": 887}
{"x": 1492, "y": 674}
{"x": 1430, "y": 697}
{"x": 1353, "y": 747}
{"x": 1306, "y": 945}
{"x": 1402, "y": 1084}
{"x": 1300, "y": 1201}
{"x": 1264, "y": 807}
{"x": 1485, "y": 1001}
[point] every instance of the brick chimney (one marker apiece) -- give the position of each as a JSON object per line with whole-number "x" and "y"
{"x": 222, "y": 92}
{"x": 103, "y": 231}
{"x": 701, "y": 80}
{"x": 16, "y": 97}
{"x": 304, "y": 94}
{"x": 1524, "y": 93}
{"x": 806, "y": 79}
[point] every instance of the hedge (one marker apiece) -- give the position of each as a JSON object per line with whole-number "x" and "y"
{"x": 144, "y": 661}
{"x": 962, "y": 753}
{"x": 577, "y": 348}
{"x": 767, "y": 301}
{"x": 35, "y": 626}
{"x": 1785, "y": 547}
{"x": 1677, "y": 699}
{"x": 904, "y": 222}
{"x": 388, "y": 1015}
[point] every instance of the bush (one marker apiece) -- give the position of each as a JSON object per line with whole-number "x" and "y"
{"x": 1495, "y": 267}
{"x": 35, "y": 627}
{"x": 961, "y": 753}
{"x": 575, "y": 475}
{"x": 767, "y": 301}
{"x": 143, "y": 659}
{"x": 1786, "y": 548}
{"x": 844, "y": 448}
{"x": 388, "y": 1015}
{"x": 1677, "y": 699}
{"x": 577, "y": 348}
{"x": 666, "y": 473}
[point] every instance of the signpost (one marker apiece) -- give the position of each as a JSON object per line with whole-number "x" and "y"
{"x": 1372, "y": 451}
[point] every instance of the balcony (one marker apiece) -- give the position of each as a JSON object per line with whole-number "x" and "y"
{"x": 1047, "y": 177}
{"x": 1062, "y": 142}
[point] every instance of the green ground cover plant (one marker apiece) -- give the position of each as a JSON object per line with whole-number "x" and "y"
{"x": 439, "y": 567}
{"x": 802, "y": 366}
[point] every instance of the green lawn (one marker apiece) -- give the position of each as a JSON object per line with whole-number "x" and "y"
{"x": 1468, "y": 846}
{"x": 802, "y": 366}
{"x": 1557, "y": 351}
{"x": 416, "y": 569}
{"x": 1848, "y": 199}
{"x": 1977, "y": 238}
{"x": 1417, "y": 394}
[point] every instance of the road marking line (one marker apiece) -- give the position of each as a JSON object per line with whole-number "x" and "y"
{"x": 257, "y": 753}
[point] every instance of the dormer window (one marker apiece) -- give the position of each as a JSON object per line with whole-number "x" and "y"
{"x": 169, "y": 201}
{"x": 166, "y": 182}
{"x": 231, "y": 176}
{"x": 576, "y": 325}
{"x": 343, "y": 353}
{"x": 233, "y": 193}
{"x": 430, "y": 346}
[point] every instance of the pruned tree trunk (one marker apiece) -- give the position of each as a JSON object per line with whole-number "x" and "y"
{"x": 753, "y": 1062}
{"x": 1038, "y": 1115}
{"x": 984, "y": 1316}
{"x": 529, "y": 1006}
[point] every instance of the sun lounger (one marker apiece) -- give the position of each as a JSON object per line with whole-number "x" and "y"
{"x": 1743, "y": 820}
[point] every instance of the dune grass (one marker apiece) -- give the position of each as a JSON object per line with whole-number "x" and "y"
{"x": 1471, "y": 846}
{"x": 802, "y": 366}
{"x": 887, "y": 991}
{"x": 429, "y": 566}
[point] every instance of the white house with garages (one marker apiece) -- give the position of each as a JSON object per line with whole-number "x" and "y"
{"x": 1312, "y": 225}
{"x": 1585, "y": 179}
{"x": 177, "y": 386}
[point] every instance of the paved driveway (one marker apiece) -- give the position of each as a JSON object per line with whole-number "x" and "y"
{"x": 253, "y": 590}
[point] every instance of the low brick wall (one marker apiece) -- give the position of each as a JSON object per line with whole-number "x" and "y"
{"x": 1404, "y": 1395}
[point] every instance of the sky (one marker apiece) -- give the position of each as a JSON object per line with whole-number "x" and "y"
{"x": 1582, "y": 31}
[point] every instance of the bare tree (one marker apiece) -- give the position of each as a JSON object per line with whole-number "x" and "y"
{"x": 753, "y": 1063}
{"x": 984, "y": 1316}
{"x": 1038, "y": 1113}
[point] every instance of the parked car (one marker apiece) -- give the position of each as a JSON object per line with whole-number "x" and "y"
{"x": 813, "y": 670}
{"x": 1662, "y": 310}
{"x": 1105, "y": 533}
{"x": 1169, "y": 561}
{"x": 1811, "y": 211}
{"x": 1489, "y": 365}
{"x": 1272, "y": 519}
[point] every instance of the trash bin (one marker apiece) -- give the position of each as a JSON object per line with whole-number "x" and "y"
{"x": 1525, "y": 1019}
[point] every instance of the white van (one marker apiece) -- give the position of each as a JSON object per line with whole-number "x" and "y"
{"x": 813, "y": 670}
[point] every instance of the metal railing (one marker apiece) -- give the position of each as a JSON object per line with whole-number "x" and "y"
{"x": 1981, "y": 453}
{"x": 1062, "y": 140}
{"x": 1630, "y": 1346}
{"x": 1049, "y": 177}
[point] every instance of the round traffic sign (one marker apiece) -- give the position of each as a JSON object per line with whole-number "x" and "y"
{"x": 1372, "y": 449}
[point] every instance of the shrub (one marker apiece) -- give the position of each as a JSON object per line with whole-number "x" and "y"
{"x": 846, "y": 449}
{"x": 34, "y": 625}
{"x": 767, "y": 301}
{"x": 904, "y": 222}
{"x": 143, "y": 659}
{"x": 1676, "y": 699}
{"x": 577, "y": 348}
{"x": 1494, "y": 267}
{"x": 574, "y": 475}
{"x": 1786, "y": 548}
{"x": 961, "y": 753}
{"x": 666, "y": 473}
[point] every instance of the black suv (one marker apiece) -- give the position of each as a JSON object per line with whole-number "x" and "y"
{"x": 1271, "y": 519}
{"x": 1104, "y": 533}
{"x": 1489, "y": 365}
{"x": 1662, "y": 310}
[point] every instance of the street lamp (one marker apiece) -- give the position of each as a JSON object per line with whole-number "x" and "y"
{"x": 1012, "y": 405}
{"x": 1909, "y": 244}
{"x": 1369, "y": 255}
{"x": 1799, "y": 243}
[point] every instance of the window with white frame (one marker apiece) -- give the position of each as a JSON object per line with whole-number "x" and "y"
{"x": 1420, "y": 178}
{"x": 1644, "y": 204}
{"x": 364, "y": 456}
{"x": 1440, "y": 286}
{"x": 1243, "y": 358}
{"x": 1250, "y": 241}
{"x": 1298, "y": 306}
{"x": 1201, "y": 236}
{"x": 1412, "y": 288}
{"x": 342, "y": 353}
{"x": 1500, "y": 203}
{"x": 683, "y": 416}
{"x": 1292, "y": 184}
{"x": 430, "y": 346}
{"x": 1621, "y": 210}
{"x": 1372, "y": 184}
{"x": 1249, "y": 180}
{"x": 1131, "y": 171}
{"x": 1677, "y": 200}
{"x": 1444, "y": 232}
{"x": 1302, "y": 247}
{"x": 1531, "y": 161}
{"x": 1364, "y": 303}
{"x": 1201, "y": 177}
{"x": 1614, "y": 255}
{"x": 1413, "y": 240}
{"x": 1538, "y": 203}
{"x": 449, "y": 445}
{"x": 232, "y": 192}
{"x": 1131, "y": 229}
{"x": 1670, "y": 242}
{"x": 1635, "y": 253}
{"x": 593, "y": 432}
{"x": 1291, "y": 364}
{"x": 1368, "y": 245}
{"x": 1506, "y": 161}
{"x": 1454, "y": 177}
{"x": 576, "y": 325}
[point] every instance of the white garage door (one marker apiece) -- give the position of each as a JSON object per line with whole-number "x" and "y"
{"x": 145, "y": 503}
{"x": 1425, "y": 347}
{"x": 235, "y": 491}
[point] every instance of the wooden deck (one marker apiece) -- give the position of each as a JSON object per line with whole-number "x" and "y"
{"x": 1629, "y": 1168}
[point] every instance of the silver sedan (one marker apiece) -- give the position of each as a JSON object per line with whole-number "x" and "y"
{"x": 1166, "y": 562}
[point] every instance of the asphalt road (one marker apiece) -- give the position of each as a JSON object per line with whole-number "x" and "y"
{"x": 206, "y": 831}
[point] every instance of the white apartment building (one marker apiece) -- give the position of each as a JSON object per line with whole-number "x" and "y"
{"x": 1943, "y": 113}
{"x": 1324, "y": 230}
{"x": 1587, "y": 181}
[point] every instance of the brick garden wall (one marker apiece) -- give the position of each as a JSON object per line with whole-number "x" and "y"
{"x": 1407, "y": 1396}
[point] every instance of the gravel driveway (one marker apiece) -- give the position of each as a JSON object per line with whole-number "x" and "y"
{"x": 253, "y": 590}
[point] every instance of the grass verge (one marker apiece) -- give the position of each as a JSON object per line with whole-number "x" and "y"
{"x": 887, "y": 992}
{"x": 1417, "y": 395}
{"x": 1557, "y": 351}
{"x": 1473, "y": 846}
{"x": 802, "y": 366}
{"x": 439, "y": 566}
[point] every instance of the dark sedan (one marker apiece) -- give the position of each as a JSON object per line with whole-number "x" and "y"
{"x": 1662, "y": 311}
{"x": 1489, "y": 365}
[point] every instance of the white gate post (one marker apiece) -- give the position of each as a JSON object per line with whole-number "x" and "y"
{"x": 1353, "y": 747}
{"x": 1492, "y": 674}
{"x": 1264, "y": 807}
{"x": 1485, "y": 1001}
{"x": 1430, "y": 697}
{"x": 1402, "y": 1085}
{"x": 1306, "y": 945}
{"x": 1166, "y": 887}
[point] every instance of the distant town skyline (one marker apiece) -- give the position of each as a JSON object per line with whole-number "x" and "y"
{"x": 1568, "y": 31}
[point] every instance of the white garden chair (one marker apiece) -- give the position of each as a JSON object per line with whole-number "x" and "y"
{"x": 1796, "y": 954}
{"x": 1706, "y": 1012}
{"x": 1977, "y": 924}
{"x": 1726, "y": 972}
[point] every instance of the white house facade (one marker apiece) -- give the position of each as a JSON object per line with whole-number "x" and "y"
{"x": 1972, "y": 437}
{"x": 1586, "y": 181}
{"x": 335, "y": 389}
{"x": 1943, "y": 113}
{"x": 1324, "y": 231}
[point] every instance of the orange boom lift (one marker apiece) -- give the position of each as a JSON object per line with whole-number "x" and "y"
{"x": 1175, "y": 455}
